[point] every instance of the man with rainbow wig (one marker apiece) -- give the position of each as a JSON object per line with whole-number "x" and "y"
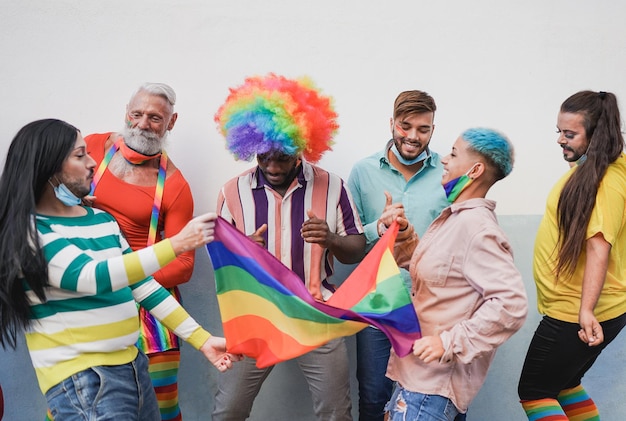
{"x": 301, "y": 213}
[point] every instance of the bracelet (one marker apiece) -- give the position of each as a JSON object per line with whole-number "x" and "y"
{"x": 382, "y": 229}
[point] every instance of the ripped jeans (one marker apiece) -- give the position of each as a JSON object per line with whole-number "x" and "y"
{"x": 414, "y": 406}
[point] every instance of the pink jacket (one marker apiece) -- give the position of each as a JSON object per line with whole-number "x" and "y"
{"x": 467, "y": 290}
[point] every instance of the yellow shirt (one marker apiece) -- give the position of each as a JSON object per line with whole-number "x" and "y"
{"x": 561, "y": 299}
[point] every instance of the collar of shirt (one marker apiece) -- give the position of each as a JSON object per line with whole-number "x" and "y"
{"x": 478, "y": 202}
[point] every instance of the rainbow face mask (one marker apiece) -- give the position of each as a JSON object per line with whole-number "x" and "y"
{"x": 454, "y": 187}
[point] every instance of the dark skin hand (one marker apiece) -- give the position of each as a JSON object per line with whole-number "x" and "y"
{"x": 257, "y": 236}
{"x": 347, "y": 249}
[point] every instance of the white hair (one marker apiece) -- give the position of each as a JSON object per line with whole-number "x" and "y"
{"x": 160, "y": 89}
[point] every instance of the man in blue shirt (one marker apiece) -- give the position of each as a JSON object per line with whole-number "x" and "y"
{"x": 411, "y": 173}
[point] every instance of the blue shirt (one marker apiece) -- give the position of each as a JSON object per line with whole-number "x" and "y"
{"x": 422, "y": 195}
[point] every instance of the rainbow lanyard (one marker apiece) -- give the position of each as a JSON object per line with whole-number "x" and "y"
{"x": 158, "y": 194}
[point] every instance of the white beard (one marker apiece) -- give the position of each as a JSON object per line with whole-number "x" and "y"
{"x": 143, "y": 141}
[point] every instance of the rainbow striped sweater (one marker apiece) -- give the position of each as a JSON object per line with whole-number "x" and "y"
{"x": 90, "y": 314}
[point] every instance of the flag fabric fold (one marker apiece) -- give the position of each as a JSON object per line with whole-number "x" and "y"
{"x": 269, "y": 315}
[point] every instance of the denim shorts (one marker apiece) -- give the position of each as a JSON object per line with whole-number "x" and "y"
{"x": 118, "y": 392}
{"x": 414, "y": 406}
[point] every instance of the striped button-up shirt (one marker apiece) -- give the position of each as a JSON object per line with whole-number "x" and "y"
{"x": 249, "y": 201}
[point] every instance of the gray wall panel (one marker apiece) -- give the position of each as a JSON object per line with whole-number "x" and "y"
{"x": 284, "y": 395}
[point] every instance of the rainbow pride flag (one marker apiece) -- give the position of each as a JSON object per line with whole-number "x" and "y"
{"x": 268, "y": 314}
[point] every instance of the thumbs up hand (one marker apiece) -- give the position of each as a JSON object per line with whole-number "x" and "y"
{"x": 392, "y": 212}
{"x": 257, "y": 236}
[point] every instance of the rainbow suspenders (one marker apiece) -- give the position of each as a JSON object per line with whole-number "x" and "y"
{"x": 154, "y": 336}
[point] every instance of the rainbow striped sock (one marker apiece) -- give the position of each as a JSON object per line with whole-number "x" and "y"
{"x": 578, "y": 405}
{"x": 163, "y": 370}
{"x": 544, "y": 410}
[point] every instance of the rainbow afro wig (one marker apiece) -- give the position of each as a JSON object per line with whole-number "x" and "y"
{"x": 276, "y": 114}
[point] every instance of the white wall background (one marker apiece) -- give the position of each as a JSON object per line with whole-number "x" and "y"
{"x": 507, "y": 65}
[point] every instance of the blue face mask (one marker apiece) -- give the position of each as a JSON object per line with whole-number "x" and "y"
{"x": 404, "y": 161}
{"x": 65, "y": 195}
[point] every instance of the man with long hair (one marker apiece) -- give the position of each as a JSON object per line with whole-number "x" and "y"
{"x": 579, "y": 261}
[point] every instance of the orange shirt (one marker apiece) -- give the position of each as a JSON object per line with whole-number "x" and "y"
{"x": 131, "y": 205}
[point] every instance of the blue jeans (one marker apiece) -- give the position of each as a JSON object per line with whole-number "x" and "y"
{"x": 405, "y": 405}
{"x": 375, "y": 389}
{"x": 118, "y": 392}
{"x": 326, "y": 370}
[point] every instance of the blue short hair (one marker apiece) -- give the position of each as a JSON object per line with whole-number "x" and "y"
{"x": 492, "y": 145}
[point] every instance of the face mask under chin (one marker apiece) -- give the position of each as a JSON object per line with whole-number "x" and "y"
{"x": 453, "y": 188}
{"x": 422, "y": 156}
{"x": 65, "y": 195}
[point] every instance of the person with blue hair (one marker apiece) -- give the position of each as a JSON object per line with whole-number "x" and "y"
{"x": 466, "y": 290}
